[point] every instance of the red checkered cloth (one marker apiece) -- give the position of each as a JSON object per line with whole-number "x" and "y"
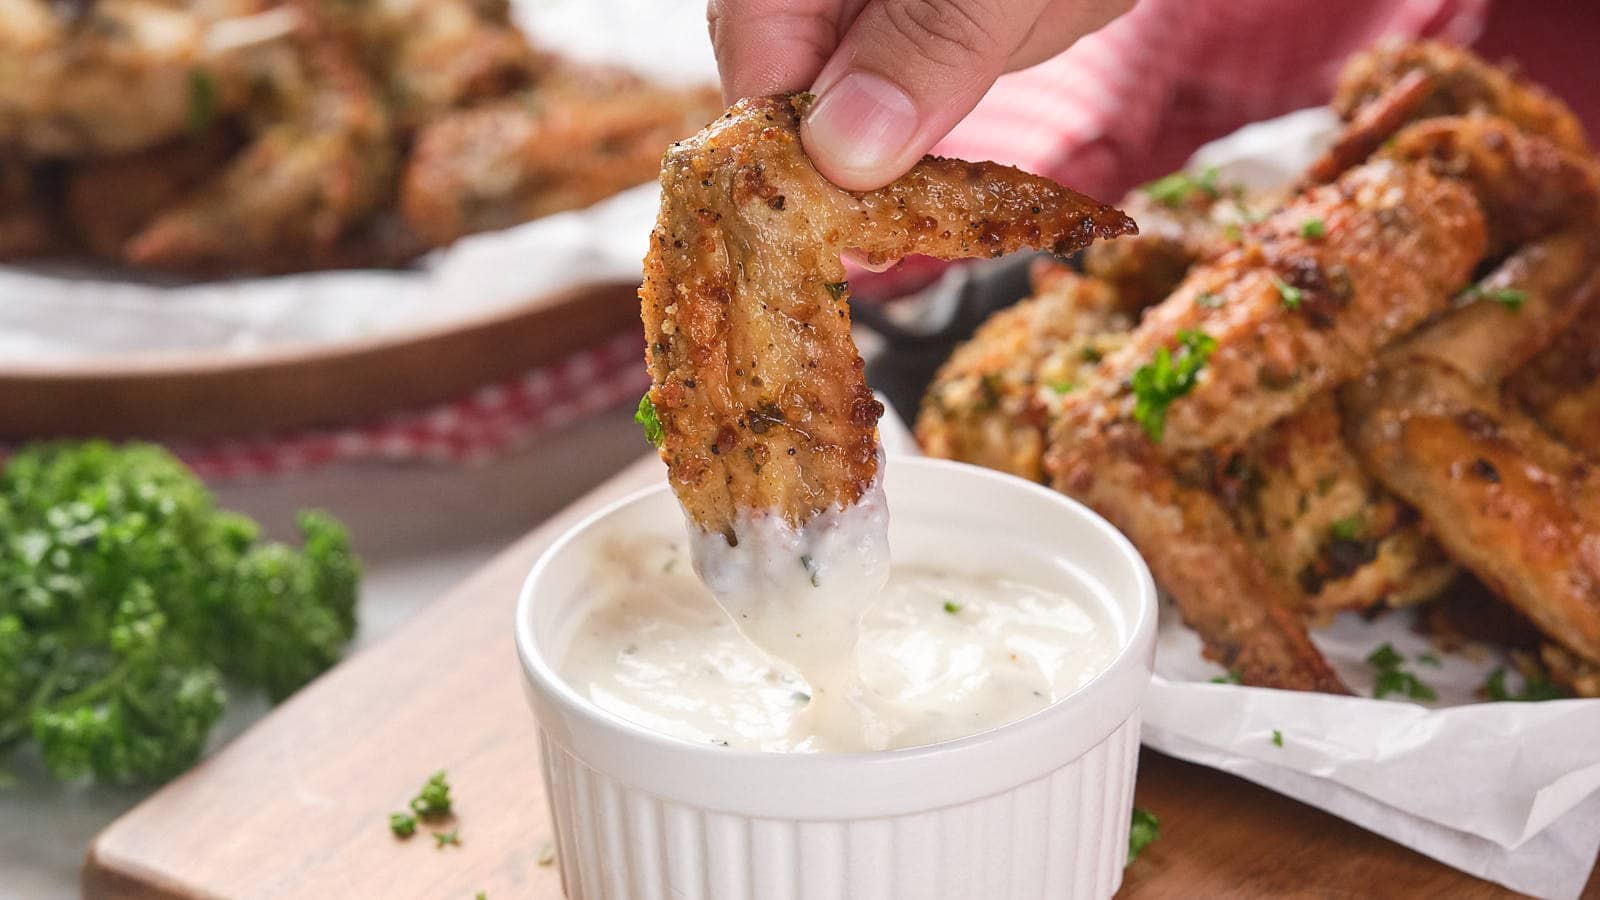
{"x": 1122, "y": 106}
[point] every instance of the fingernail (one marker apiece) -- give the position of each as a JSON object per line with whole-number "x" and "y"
{"x": 859, "y": 126}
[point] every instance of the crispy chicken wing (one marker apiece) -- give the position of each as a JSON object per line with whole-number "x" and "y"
{"x": 116, "y": 76}
{"x": 1580, "y": 677}
{"x": 433, "y": 56}
{"x": 112, "y": 199}
{"x": 1561, "y": 386}
{"x": 1292, "y": 315}
{"x": 1317, "y": 520}
{"x": 1456, "y": 82}
{"x": 318, "y": 169}
{"x": 758, "y": 386}
{"x": 992, "y": 402}
{"x": 1182, "y": 218}
{"x": 1243, "y": 614}
{"x": 577, "y": 138}
{"x": 1527, "y": 186}
{"x": 1516, "y": 507}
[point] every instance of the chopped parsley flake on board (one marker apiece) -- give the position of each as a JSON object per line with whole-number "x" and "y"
{"x": 1143, "y": 831}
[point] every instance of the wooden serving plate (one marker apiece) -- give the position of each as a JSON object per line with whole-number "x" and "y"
{"x": 298, "y": 805}
{"x": 199, "y": 395}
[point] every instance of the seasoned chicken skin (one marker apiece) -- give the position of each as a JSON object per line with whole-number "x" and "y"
{"x": 1509, "y": 502}
{"x": 116, "y": 76}
{"x": 1183, "y": 218}
{"x": 434, "y": 56}
{"x": 302, "y": 184}
{"x": 583, "y": 134}
{"x": 1243, "y": 614}
{"x": 759, "y": 388}
{"x": 1456, "y": 82}
{"x": 1316, "y": 519}
{"x": 1294, "y": 315}
{"x": 1527, "y": 186}
{"x": 1561, "y": 386}
{"x": 992, "y": 402}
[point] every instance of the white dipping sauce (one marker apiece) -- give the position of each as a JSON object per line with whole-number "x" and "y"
{"x": 928, "y": 657}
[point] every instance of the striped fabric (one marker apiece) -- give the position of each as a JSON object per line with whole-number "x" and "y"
{"x": 1122, "y": 106}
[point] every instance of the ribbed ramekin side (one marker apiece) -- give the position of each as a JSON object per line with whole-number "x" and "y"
{"x": 1060, "y": 836}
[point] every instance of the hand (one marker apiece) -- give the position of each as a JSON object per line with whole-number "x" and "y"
{"x": 891, "y": 77}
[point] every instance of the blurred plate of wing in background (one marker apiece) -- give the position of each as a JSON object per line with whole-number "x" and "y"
{"x": 323, "y": 213}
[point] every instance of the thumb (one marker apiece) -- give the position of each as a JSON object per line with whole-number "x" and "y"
{"x": 905, "y": 73}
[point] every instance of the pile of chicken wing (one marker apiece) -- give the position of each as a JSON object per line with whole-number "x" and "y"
{"x": 277, "y": 135}
{"x": 1378, "y": 388}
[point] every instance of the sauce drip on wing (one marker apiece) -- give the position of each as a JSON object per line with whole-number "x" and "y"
{"x": 758, "y": 386}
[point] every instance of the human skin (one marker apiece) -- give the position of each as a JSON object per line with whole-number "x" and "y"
{"x": 891, "y": 77}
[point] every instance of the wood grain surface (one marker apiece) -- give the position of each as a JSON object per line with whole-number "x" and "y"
{"x": 298, "y": 806}
{"x": 193, "y": 395}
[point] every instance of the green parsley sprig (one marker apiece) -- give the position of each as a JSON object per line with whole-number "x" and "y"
{"x": 1288, "y": 294}
{"x": 1510, "y": 298}
{"x": 1166, "y": 378}
{"x": 1533, "y": 690}
{"x": 127, "y": 598}
{"x": 1393, "y": 679}
{"x": 1175, "y": 189}
{"x": 645, "y": 416}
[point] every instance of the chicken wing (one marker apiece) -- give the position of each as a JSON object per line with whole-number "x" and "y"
{"x": 1527, "y": 186}
{"x": 112, "y": 199}
{"x": 992, "y": 402}
{"x": 1305, "y": 506}
{"x": 1576, "y": 675}
{"x": 1456, "y": 82}
{"x": 1297, "y": 311}
{"x": 117, "y": 76}
{"x": 1516, "y": 507}
{"x": 301, "y": 185}
{"x": 575, "y": 139}
{"x": 1242, "y": 613}
{"x": 433, "y": 56}
{"x": 1182, "y": 218}
{"x": 1561, "y": 386}
{"x": 759, "y": 389}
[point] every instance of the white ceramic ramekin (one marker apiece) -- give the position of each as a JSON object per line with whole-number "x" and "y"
{"x": 1037, "y": 808}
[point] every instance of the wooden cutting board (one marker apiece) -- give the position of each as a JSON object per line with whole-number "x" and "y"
{"x": 298, "y": 806}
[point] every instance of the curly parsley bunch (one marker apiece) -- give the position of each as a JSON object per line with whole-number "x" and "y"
{"x": 127, "y": 598}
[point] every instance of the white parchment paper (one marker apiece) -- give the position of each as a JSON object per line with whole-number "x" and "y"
{"x": 61, "y": 314}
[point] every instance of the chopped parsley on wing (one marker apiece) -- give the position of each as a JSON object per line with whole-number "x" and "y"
{"x": 1166, "y": 378}
{"x": 1290, "y": 295}
{"x": 645, "y": 416}
{"x": 1175, "y": 189}
{"x": 1510, "y": 298}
